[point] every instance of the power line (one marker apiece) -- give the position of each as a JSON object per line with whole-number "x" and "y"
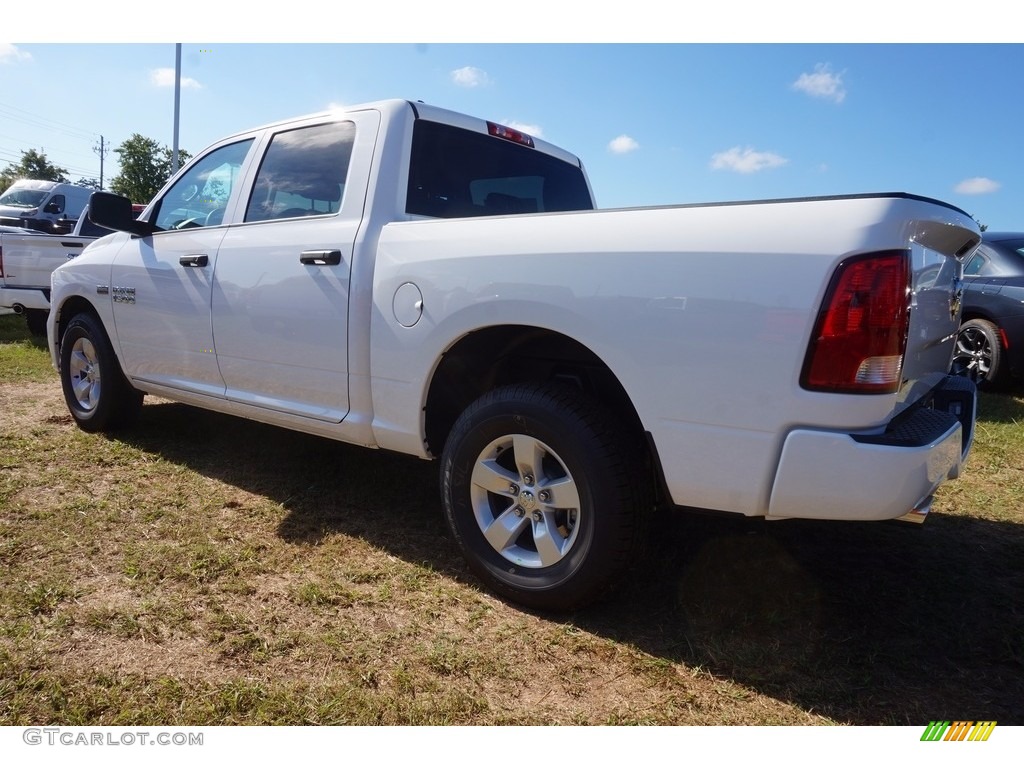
{"x": 30, "y": 118}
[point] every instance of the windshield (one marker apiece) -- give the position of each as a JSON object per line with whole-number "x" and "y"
{"x": 22, "y": 198}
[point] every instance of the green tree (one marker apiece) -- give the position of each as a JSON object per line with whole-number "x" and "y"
{"x": 145, "y": 167}
{"x": 90, "y": 182}
{"x": 33, "y": 165}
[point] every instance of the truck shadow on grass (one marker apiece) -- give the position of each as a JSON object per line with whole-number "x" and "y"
{"x": 879, "y": 623}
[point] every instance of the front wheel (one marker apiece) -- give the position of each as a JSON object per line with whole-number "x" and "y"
{"x": 97, "y": 393}
{"x": 546, "y": 494}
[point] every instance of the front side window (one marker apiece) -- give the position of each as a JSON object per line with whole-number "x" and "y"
{"x": 303, "y": 173}
{"x": 56, "y": 204}
{"x": 200, "y": 196}
{"x": 455, "y": 172}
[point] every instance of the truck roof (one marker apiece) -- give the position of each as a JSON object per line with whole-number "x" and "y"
{"x": 392, "y": 107}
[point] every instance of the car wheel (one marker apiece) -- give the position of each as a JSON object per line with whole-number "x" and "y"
{"x": 97, "y": 393}
{"x": 978, "y": 354}
{"x": 546, "y": 494}
{"x": 36, "y": 320}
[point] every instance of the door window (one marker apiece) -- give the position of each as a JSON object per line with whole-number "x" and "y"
{"x": 200, "y": 196}
{"x": 303, "y": 173}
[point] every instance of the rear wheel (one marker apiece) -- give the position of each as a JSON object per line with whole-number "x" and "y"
{"x": 978, "y": 353}
{"x": 546, "y": 494}
{"x": 97, "y": 393}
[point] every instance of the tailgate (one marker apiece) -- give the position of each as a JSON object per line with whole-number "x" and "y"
{"x": 938, "y": 251}
{"x": 29, "y": 259}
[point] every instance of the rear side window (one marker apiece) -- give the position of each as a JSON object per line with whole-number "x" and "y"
{"x": 303, "y": 173}
{"x": 454, "y": 172}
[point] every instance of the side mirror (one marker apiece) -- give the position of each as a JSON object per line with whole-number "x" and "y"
{"x": 115, "y": 212}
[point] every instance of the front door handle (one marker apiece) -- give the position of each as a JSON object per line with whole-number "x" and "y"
{"x": 194, "y": 260}
{"x": 321, "y": 258}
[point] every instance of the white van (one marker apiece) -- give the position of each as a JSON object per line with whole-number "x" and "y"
{"x": 41, "y": 204}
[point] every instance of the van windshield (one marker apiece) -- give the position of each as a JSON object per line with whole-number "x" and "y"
{"x": 23, "y": 198}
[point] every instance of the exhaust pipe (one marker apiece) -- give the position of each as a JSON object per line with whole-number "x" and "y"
{"x": 920, "y": 512}
{"x": 19, "y": 309}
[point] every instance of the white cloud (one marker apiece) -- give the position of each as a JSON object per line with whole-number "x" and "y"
{"x": 534, "y": 130}
{"x": 9, "y": 52}
{"x": 470, "y": 77}
{"x": 823, "y": 83}
{"x": 622, "y": 145}
{"x": 746, "y": 160}
{"x": 164, "y": 78}
{"x": 979, "y": 185}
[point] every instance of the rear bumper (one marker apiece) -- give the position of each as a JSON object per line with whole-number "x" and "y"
{"x": 834, "y": 476}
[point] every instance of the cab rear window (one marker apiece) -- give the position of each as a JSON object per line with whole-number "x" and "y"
{"x": 455, "y": 172}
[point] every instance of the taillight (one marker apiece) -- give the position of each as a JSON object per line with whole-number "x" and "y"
{"x": 861, "y": 333}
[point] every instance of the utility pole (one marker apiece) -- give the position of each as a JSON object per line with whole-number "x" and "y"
{"x": 177, "y": 105}
{"x": 101, "y": 150}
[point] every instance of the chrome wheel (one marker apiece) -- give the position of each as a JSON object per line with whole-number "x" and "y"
{"x": 525, "y": 502}
{"x": 84, "y": 372}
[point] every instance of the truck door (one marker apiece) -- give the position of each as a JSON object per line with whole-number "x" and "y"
{"x": 161, "y": 284}
{"x": 281, "y": 294}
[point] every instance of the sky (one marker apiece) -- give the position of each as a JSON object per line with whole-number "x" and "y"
{"x": 658, "y": 121}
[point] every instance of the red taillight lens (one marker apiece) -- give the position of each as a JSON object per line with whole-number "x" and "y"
{"x": 861, "y": 333}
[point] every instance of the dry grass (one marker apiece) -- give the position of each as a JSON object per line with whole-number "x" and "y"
{"x": 199, "y": 569}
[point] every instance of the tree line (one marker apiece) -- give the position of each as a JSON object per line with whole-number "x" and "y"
{"x": 145, "y": 168}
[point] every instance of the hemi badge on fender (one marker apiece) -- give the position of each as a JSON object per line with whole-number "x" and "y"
{"x": 102, "y": 290}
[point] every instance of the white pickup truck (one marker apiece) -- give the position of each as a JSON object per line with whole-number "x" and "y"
{"x": 26, "y": 261}
{"x": 403, "y": 277}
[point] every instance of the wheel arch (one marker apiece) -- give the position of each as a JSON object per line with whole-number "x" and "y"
{"x": 74, "y": 305}
{"x": 491, "y": 357}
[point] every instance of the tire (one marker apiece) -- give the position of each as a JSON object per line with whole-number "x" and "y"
{"x": 36, "y": 320}
{"x": 97, "y": 393}
{"x": 546, "y": 494}
{"x": 978, "y": 354}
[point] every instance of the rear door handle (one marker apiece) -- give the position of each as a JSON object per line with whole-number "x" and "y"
{"x": 194, "y": 260}
{"x": 320, "y": 258}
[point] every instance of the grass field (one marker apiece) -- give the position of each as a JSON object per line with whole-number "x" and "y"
{"x": 202, "y": 570}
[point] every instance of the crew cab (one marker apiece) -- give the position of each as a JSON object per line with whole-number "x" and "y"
{"x": 403, "y": 277}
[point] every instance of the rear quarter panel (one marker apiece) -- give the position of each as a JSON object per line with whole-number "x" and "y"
{"x": 703, "y": 313}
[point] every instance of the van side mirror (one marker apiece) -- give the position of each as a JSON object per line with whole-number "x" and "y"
{"x": 115, "y": 212}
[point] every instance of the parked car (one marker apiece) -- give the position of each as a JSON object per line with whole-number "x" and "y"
{"x": 990, "y": 343}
